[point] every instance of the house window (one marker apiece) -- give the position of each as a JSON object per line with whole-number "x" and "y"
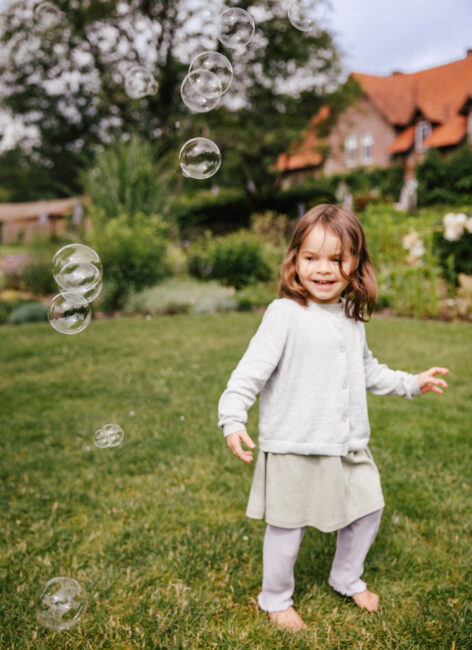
{"x": 350, "y": 150}
{"x": 367, "y": 141}
{"x": 423, "y": 129}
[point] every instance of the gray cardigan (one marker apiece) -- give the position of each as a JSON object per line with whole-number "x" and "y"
{"x": 312, "y": 367}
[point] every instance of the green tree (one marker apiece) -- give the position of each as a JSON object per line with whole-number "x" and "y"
{"x": 67, "y": 81}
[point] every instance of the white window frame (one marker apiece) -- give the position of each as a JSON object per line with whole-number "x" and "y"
{"x": 367, "y": 146}
{"x": 422, "y": 130}
{"x": 350, "y": 150}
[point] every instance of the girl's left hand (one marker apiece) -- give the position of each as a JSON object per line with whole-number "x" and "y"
{"x": 428, "y": 381}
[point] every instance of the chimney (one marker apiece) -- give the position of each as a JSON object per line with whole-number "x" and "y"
{"x": 469, "y": 51}
{"x": 396, "y": 73}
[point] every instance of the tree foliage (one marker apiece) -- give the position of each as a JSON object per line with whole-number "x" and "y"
{"x": 66, "y": 80}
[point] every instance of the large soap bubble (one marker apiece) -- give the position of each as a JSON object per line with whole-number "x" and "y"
{"x": 69, "y": 313}
{"x": 74, "y": 254}
{"x": 110, "y": 435}
{"x": 235, "y": 27}
{"x": 307, "y": 15}
{"x": 201, "y": 90}
{"x": 61, "y": 603}
{"x": 199, "y": 158}
{"x": 216, "y": 63}
{"x": 80, "y": 277}
{"x": 139, "y": 82}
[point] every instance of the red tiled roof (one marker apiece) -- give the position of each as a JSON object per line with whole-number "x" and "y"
{"x": 439, "y": 93}
{"x": 299, "y": 160}
{"x": 403, "y": 141}
{"x": 449, "y": 133}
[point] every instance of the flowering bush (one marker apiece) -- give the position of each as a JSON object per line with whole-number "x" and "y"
{"x": 454, "y": 246}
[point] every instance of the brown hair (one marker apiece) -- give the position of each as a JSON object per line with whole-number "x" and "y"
{"x": 361, "y": 293}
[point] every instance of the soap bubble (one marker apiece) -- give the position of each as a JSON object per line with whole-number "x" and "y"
{"x": 307, "y": 15}
{"x": 201, "y": 90}
{"x": 206, "y": 83}
{"x": 75, "y": 254}
{"x": 61, "y": 603}
{"x": 199, "y": 158}
{"x": 139, "y": 82}
{"x": 216, "y": 63}
{"x": 235, "y": 27}
{"x": 110, "y": 435}
{"x": 69, "y": 313}
{"x": 80, "y": 277}
{"x": 47, "y": 15}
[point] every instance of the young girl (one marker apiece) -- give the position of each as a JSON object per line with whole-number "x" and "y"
{"x": 310, "y": 361}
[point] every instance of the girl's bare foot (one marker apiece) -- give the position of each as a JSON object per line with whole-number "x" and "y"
{"x": 288, "y": 619}
{"x": 367, "y": 600}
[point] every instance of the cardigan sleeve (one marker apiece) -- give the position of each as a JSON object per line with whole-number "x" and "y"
{"x": 382, "y": 380}
{"x": 254, "y": 369}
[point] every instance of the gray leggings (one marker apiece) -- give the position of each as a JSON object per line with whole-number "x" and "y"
{"x": 281, "y": 549}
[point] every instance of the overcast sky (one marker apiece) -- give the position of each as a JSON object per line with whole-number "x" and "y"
{"x": 381, "y": 36}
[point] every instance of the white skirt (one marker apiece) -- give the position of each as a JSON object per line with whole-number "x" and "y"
{"x": 327, "y": 492}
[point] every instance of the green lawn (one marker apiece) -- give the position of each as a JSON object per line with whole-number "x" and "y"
{"x": 155, "y": 531}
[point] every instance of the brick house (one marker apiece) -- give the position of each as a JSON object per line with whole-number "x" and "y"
{"x": 396, "y": 120}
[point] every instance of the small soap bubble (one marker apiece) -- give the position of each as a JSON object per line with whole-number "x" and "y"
{"x": 307, "y": 15}
{"x": 235, "y": 28}
{"x": 216, "y": 63}
{"x": 110, "y": 435}
{"x": 199, "y": 158}
{"x": 139, "y": 82}
{"x": 47, "y": 15}
{"x": 69, "y": 313}
{"x": 201, "y": 91}
{"x": 61, "y": 603}
{"x": 396, "y": 519}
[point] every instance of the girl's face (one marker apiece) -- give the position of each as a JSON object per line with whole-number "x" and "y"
{"x": 317, "y": 266}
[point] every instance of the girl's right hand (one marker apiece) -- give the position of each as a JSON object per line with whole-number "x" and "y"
{"x": 234, "y": 443}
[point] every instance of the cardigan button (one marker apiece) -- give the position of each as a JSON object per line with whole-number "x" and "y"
{"x": 344, "y": 418}
{"x": 342, "y": 348}
{"x": 345, "y": 384}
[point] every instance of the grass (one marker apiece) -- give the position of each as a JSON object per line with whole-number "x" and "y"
{"x": 155, "y": 531}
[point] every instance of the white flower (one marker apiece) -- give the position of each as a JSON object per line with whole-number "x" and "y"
{"x": 454, "y": 225}
{"x": 418, "y": 249}
{"x": 449, "y": 219}
{"x": 410, "y": 240}
{"x": 453, "y": 233}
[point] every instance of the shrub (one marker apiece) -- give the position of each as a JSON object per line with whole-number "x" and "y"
{"x": 36, "y": 276}
{"x": 237, "y": 260}
{"x": 258, "y": 295}
{"x": 454, "y": 246}
{"x": 32, "y": 312}
{"x": 133, "y": 255}
{"x": 229, "y": 209}
{"x": 445, "y": 180}
{"x": 131, "y": 177}
{"x": 406, "y": 266}
{"x": 181, "y": 296}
